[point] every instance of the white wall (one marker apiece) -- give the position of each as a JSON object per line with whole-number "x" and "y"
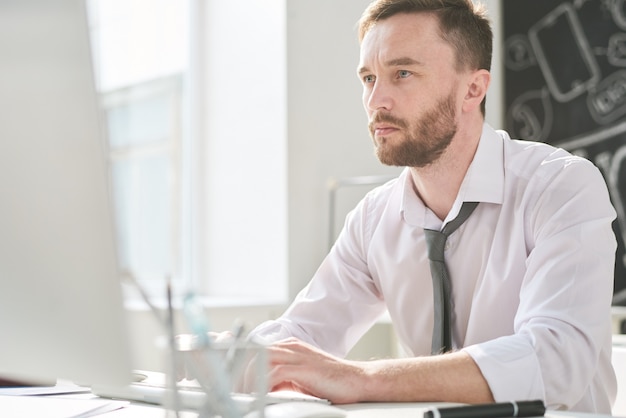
{"x": 495, "y": 96}
{"x": 241, "y": 155}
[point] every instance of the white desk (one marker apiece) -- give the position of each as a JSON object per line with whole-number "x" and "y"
{"x": 370, "y": 410}
{"x": 365, "y": 410}
{"x": 70, "y": 405}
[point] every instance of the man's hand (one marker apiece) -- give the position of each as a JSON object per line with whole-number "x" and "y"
{"x": 295, "y": 365}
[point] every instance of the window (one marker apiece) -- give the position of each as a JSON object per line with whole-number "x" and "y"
{"x": 196, "y": 115}
{"x": 145, "y": 142}
{"x": 140, "y": 50}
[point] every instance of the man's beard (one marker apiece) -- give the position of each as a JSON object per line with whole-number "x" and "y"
{"x": 425, "y": 140}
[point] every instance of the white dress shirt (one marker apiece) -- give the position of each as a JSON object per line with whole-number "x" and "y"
{"x": 531, "y": 275}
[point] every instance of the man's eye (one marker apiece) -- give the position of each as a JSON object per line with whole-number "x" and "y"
{"x": 403, "y": 74}
{"x": 368, "y": 79}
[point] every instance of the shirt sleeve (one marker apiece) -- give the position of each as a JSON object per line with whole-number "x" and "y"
{"x": 340, "y": 303}
{"x": 563, "y": 320}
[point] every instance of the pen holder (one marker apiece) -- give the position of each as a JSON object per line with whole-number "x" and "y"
{"x": 219, "y": 368}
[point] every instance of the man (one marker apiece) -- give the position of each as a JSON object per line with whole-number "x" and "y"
{"x": 530, "y": 270}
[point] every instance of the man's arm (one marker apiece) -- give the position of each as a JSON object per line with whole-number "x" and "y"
{"x": 452, "y": 377}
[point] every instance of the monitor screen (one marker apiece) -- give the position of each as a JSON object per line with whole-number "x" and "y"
{"x": 61, "y": 311}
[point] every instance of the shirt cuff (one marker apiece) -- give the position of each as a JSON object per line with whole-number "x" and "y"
{"x": 511, "y": 368}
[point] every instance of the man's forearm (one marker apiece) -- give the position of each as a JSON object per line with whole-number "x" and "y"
{"x": 452, "y": 377}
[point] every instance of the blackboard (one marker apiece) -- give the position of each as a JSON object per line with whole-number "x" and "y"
{"x": 565, "y": 84}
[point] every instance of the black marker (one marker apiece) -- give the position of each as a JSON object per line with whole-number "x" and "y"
{"x": 490, "y": 410}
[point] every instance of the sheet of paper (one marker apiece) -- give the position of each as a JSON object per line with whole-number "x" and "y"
{"x": 59, "y": 389}
{"x": 53, "y": 407}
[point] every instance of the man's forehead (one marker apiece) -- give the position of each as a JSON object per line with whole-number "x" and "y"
{"x": 401, "y": 37}
{"x": 409, "y": 24}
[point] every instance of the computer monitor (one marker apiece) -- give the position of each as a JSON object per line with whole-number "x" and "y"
{"x": 61, "y": 311}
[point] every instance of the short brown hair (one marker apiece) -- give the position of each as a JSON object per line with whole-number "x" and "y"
{"x": 464, "y": 25}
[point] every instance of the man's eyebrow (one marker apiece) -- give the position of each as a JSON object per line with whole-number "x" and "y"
{"x": 396, "y": 62}
{"x": 363, "y": 70}
{"x": 402, "y": 61}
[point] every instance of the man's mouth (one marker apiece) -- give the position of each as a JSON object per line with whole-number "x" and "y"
{"x": 384, "y": 130}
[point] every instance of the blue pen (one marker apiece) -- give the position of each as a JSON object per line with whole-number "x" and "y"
{"x": 194, "y": 314}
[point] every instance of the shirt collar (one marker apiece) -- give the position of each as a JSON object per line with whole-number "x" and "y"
{"x": 483, "y": 182}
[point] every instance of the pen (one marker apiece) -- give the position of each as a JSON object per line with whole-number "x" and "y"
{"x": 490, "y": 410}
{"x": 231, "y": 354}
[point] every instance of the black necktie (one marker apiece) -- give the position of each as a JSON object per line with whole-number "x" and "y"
{"x": 436, "y": 242}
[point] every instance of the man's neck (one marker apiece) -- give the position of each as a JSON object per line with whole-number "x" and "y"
{"x": 438, "y": 184}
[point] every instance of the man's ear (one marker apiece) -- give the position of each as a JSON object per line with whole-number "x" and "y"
{"x": 476, "y": 89}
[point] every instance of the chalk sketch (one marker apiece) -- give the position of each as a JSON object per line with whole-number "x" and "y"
{"x": 565, "y": 84}
{"x": 531, "y": 115}
{"x": 569, "y": 67}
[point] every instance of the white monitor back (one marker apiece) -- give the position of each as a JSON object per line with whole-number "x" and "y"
{"x": 61, "y": 312}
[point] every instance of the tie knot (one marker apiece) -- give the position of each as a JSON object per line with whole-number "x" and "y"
{"x": 466, "y": 210}
{"x": 436, "y": 242}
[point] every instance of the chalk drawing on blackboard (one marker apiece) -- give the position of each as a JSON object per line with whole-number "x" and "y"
{"x": 607, "y": 100}
{"x": 619, "y": 13}
{"x": 616, "y": 52}
{"x": 531, "y": 115}
{"x": 566, "y": 82}
{"x": 518, "y": 53}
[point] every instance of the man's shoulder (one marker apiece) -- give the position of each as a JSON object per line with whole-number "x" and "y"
{"x": 381, "y": 198}
{"x": 537, "y": 159}
{"x": 383, "y": 193}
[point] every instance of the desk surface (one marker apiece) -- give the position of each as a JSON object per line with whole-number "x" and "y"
{"x": 63, "y": 406}
{"x": 367, "y": 410}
